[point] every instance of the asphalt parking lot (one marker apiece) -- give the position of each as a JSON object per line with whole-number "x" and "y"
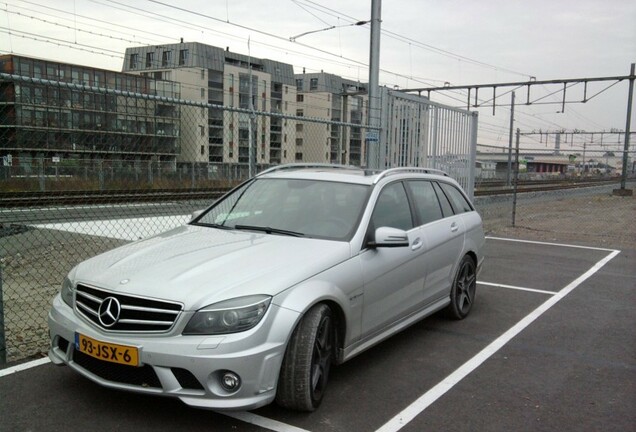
{"x": 549, "y": 345}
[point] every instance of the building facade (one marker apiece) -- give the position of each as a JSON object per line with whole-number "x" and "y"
{"x": 331, "y": 97}
{"x": 58, "y": 111}
{"x": 220, "y": 79}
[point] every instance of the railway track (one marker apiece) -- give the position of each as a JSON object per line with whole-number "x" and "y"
{"x": 65, "y": 198}
{"x": 499, "y": 188}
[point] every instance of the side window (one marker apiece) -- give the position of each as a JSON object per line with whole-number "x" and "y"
{"x": 447, "y": 210}
{"x": 426, "y": 201}
{"x": 392, "y": 209}
{"x": 457, "y": 199}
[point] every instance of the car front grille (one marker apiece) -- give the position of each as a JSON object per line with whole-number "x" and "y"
{"x": 136, "y": 314}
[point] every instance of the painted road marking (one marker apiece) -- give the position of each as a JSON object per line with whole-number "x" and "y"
{"x": 409, "y": 413}
{"x": 517, "y": 288}
{"x": 122, "y": 229}
{"x": 24, "y": 366}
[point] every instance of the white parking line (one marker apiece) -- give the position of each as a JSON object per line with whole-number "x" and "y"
{"x": 23, "y": 366}
{"x": 265, "y": 422}
{"x": 517, "y": 288}
{"x": 424, "y": 401}
{"x": 549, "y": 244}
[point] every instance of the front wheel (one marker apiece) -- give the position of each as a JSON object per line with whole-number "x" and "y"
{"x": 464, "y": 289}
{"x": 305, "y": 369}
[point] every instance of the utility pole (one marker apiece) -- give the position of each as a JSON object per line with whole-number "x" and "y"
{"x": 373, "y": 115}
{"x": 251, "y": 143}
{"x": 622, "y": 191}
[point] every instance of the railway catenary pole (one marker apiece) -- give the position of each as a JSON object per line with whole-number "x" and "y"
{"x": 373, "y": 115}
{"x": 516, "y": 181}
{"x": 630, "y": 97}
{"x": 512, "y": 123}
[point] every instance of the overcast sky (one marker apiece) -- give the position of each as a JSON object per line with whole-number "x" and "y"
{"x": 424, "y": 43}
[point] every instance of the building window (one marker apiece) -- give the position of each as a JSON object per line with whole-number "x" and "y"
{"x": 299, "y": 127}
{"x": 202, "y": 74}
{"x": 313, "y": 84}
{"x": 150, "y": 59}
{"x": 202, "y": 150}
{"x": 299, "y": 142}
{"x": 299, "y": 84}
{"x": 166, "y": 58}
{"x": 183, "y": 56}
{"x": 300, "y": 113}
{"x": 300, "y": 98}
{"x": 299, "y": 157}
{"x": 202, "y": 129}
{"x": 286, "y": 89}
{"x": 202, "y": 93}
{"x": 134, "y": 58}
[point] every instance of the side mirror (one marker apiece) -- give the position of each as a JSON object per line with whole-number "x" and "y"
{"x": 389, "y": 237}
{"x": 195, "y": 214}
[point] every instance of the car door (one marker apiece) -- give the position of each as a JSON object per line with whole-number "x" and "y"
{"x": 393, "y": 276}
{"x": 442, "y": 233}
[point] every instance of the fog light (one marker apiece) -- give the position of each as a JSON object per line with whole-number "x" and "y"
{"x": 230, "y": 381}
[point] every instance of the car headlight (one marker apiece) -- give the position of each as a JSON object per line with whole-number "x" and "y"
{"x": 67, "y": 291}
{"x": 229, "y": 316}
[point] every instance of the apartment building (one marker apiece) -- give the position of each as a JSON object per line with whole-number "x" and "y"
{"x": 330, "y": 97}
{"x": 217, "y": 131}
{"x": 68, "y": 112}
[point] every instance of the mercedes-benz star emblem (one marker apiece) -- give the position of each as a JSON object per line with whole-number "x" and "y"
{"x": 109, "y": 312}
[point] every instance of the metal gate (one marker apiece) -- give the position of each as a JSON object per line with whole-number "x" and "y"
{"x": 418, "y": 132}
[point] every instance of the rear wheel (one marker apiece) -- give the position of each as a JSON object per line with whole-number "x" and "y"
{"x": 464, "y": 289}
{"x": 305, "y": 370}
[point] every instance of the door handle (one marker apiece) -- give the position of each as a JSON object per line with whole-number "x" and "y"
{"x": 416, "y": 244}
{"x": 454, "y": 227}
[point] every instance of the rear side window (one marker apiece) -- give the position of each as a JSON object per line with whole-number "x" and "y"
{"x": 426, "y": 203}
{"x": 443, "y": 201}
{"x": 459, "y": 202}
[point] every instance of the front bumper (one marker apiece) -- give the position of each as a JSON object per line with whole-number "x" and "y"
{"x": 187, "y": 367}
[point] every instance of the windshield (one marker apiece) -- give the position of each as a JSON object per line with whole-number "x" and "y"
{"x": 302, "y": 208}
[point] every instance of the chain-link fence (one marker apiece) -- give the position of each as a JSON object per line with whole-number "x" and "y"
{"x": 88, "y": 168}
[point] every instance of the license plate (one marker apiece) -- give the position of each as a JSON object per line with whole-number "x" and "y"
{"x": 114, "y": 353}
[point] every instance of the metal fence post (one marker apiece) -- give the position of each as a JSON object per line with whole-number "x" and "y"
{"x": 41, "y": 175}
{"x": 3, "y": 343}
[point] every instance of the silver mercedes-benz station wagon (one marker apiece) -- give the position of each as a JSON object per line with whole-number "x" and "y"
{"x": 295, "y": 270}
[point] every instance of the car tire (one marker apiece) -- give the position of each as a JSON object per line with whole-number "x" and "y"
{"x": 463, "y": 290}
{"x": 305, "y": 369}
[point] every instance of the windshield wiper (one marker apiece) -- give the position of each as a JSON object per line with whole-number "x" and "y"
{"x": 212, "y": 225}
{"x": 269, "y": 230}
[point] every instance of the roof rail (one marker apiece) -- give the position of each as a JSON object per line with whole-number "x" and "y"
{"x": 408, "y": 169}
{"x": 293, "y": 166}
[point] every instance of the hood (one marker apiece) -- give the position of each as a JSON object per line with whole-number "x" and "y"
{"x": 198, "y": 266}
